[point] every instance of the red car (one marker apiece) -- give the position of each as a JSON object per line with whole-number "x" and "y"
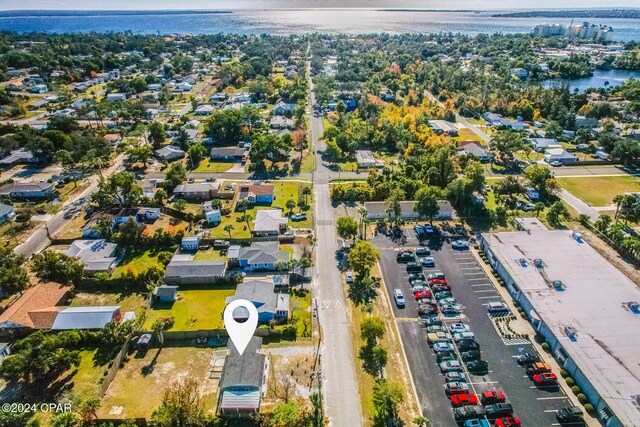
{"x": 489, "y": 397}
{"x": 422, "y": 294}
{"x": 434, "y": 281}
{"x": 464, "y": 399}
{"x": 508, "y": 422}
{"x": 546, "y": 378}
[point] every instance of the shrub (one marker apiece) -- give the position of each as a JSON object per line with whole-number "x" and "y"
{"x": 589, "y": 408}
{"x": 289, "y": 332}
{"x": 570, "y": 382}
{"x": 582, "y": 398}
{"x": 546, "y": 346}
{"x": 576, "y": 390}
{"x": 564, "y": 373}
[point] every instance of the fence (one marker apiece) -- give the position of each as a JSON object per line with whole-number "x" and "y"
{"x": 117, "y": 363}
{"x": 211, "y": 333}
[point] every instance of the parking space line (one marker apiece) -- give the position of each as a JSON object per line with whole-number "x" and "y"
{"x": 474, "y": 274}
{"x": 477, "y": 278}
{"x": 552, "y": 398}
{"x": 470, "y": 268}
{"x": 485, "y": 382}
{"x": 486, "y": 298}
{"x": 470, "y": 262}
{"x": 486, "y": 290}
{"x": 481, "y": 284}
{"x": 551, "y": 410}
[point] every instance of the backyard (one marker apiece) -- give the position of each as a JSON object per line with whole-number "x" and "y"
{"x": 127, "y": 300}
{"x": 207, "y": 165}
{"x": 600, "y": 191}
{"x": 139, "y": 385}
{"x": 194, "y": 309}
{"x": 136, "y": 260}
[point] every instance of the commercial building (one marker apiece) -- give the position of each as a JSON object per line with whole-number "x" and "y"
{"x": 584, "y": 307}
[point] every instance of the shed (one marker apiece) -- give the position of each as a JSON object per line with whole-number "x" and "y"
{"x": 166, "y": 293}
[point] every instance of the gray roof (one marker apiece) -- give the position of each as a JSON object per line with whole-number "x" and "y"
{"x": 228, "y": 151}
{"x": 204, "y": 268}
{"x": 246, "y": 369}
{"x": 17, "y": 156}
{"x": 263, "y": 253}
{"x": 261, "y": 292}
{"x": 475, "y": 149}
{"x": 196, "y": 187}
{"x": 96, "y": 255}
{"x": 5, "y": 209}
{"x": 25, "y": 187}
{"x": 169, "y": 151}
{"x": 166, "y": 291}
{"x": 85, "y": 317}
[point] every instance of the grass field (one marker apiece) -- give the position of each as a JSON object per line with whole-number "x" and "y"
{"x": 301, "y": 306}
{"x": 137, "y": 261}
{"x": 128, "y": 301}
{"x": 138, "y": 387}
{"x": 208, "y": 166}
{"x": 600, "y": 191}
{"x": 195, "y": 309}
{"x": 87, "y": 379}
{"x": 466, "y": 134}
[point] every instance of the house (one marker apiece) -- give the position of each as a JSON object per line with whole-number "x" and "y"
{"x": 497, "y": 120}
{"x": 112, "y": 138}
{"x": 192, "y": 134}
{"x": 258, "y": 256}
{"x": 7, "y": 213}
{"x": 520, "y": 73}
{"x": 5, "y": 350}
{"x": 211, "y": 215}
{"x": 90, "y": 317}
{"x": 148, "y": 214}
{"x": 116, "y": 97}
{"x": 281, "y": 108}
{"x": 39, "y": 88}
{"x": 541, "y": 144}
{"x": 197, "y": 191}
{"x": 37, "y": 105}
{"x": 169, "y": 152}
{"x": 281, "y": 122}
{"x": 269, "y": 222}
{"x": 65, "y": 112}
{"x": 166, "y": 293}
{"x": 27, "y": 190}
{"x": 20, "y": 156}
{"x": 478, "y": 198}
{"x": 229, "y": 154}
{"x": 476, "y": 150}
{"x": 270, "y": 305}
{"x": 204, "y": 110}
{"x": 380, "y": 210}
{"x": 586, "y": 122}
{"x": 256, "y": 193}
{"x": 365, "y": 159}
{"x": 36, "y": 308}
{"x": 97, "y": 255}
{"x": 154, "y": 87}
{"x": 242, "y": 380}
{"x": 559, "y": 155}
{"x": 443, "y": 127}
{"x": 190, "y": 243}
{"x": 189, "y": 272}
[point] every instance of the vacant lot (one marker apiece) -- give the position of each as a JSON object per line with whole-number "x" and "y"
{"x": 138, "y": 261}
{"x": 600, "y": 191}
{"x": 128, "y": 301}
{"x": 195, "y": 309}
{"x": 208, "y": 166}
{"x": 138, "y": 387}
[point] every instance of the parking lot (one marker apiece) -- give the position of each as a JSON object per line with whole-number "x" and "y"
{"x": 473, "y": 290}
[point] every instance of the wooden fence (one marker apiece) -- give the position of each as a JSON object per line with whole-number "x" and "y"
{"x": 113, "y": 370}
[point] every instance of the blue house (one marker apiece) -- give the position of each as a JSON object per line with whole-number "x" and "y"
{"x": 257, "y": 193}
{"x": 282, "y": 107}
{"x": 270, "y": 305}
{"x": 258, "y": 256}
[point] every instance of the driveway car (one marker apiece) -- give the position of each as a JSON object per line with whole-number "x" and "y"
{"x": 349, "y": 277}
{"x": 497, "y": 307}
{"x": 298, "y": 217}
{"x": 451, "y": 366}
{"x": 456, "y": 387}
{"x": 398, "y": 297}
{"x": 527, "y": 358}
{"x": 499, "y": 410}
{"x": 464, "y": 399}
{"x": 460, "y": 244}
{"x": 489, "y": 397}
{"x": 428, "y": 262}
{"x": 556, "y": 163}
{"x": 528, "y": 207}
{"x": 459, "y": 327}
{"x": 467, "y": 412}
{"x": 546, "y": 378}
{"x": 508, "y": 422}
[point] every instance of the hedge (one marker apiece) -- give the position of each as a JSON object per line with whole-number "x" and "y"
{"x": 582, "y": 398}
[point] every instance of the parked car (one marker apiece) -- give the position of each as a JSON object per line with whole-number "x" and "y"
{"x": 432, "y": 276}
{"x": 450, "y": 309}
{"x": 460, "y": 244}
{"x": 417, "y": 282}
{"x": 405, "y": 257}
{"x": 442, "y": 295}
{"x": 434, "y": 337}
{"x": 477, "y": 366}
{"x": 528, "y": 207}
{"x": 464, "y": 399}
{"x": 499, "y": 410}
{"x": 459, "y": 336}
{"x": 537, "y": 368}
{"x": 428, "y": 228}
{"x": 446, "y": 356}
{"x": 428, "y": 262}
{"x": 527, "y": 358}
{"x": 439, "y": 287}
{"x": 456, "y": 387}
{"x": 433, "y": 322}
{"x": 398, "y": 297}
{"x": 419, "y": 230}
{"x": 442, "y": 347}
{"x": 476, "y": 422}
{"x": 436, "y": 328}
{"x": 451, "y": 366}
{"x": 570, "y": 414}
{"x": 448, "y": 301}
{"x": 546, "y": 378}
{"x": 454, "y": 376}
{"x": 489, "y": 397}
{"x": 221, "y": 244}
{"x": 508, "y": 422}
{"x": 422, "y": 251}
{"x": 467, "y": 344}
{"x": 349, "y": 277}
{"x": 470, "y": 355}
{"x": 556, "y": 163}
{"x": 413, "y": 267}
{"x": 298, "y": 217}
{"x": 425, "y": 310}
{"x": 416, "y": 276}
{"x": 497, "y": 307}
{"x": 467, "y": 412}
{"x": 459, "y": 327}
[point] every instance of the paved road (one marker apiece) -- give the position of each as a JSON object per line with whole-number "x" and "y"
{"x": 39, "y": 239}
{"x": 578, "y": 204}
{"x": 340, "y": 387}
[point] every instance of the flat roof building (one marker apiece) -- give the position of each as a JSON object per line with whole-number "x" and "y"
{"x": 585, "y": 308}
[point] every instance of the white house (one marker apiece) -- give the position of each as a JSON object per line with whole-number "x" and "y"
{"x": 443, "y": 127}
{"x": 116, "y": 97}
{"x": 204, "y": 110}
{"x": 541, "y": 144}
{"x": 365, "y": 159}
{"x": 170, "y": 152}
{"x": 269, "y": 222}
{"x": 190, "y": 243}
{"x": 6, "y": 213}
{"x": 211, "y": 215}
{"x": 559, "y": 155}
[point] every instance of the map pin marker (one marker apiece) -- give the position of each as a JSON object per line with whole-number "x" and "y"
{"x": 241, "y": 332}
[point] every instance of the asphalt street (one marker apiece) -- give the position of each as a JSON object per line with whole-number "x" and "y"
{"x": 473, "y": 290}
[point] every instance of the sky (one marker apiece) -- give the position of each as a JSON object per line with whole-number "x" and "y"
{"x": 268, "y": 4}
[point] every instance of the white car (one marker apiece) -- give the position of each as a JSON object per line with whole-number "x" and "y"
{"x": 349, "y": 277}
{"x": 448, "y": 301}
{"x": 528, "y": 207}
{"x": 451, "y": 366}
{"x": 460, "y": 244}
{"x": 428, "y": 261}
{"x": 459, "y": 327}
{"x": 466, "y": 335}
{"x": 497, "y": 307}
{"x": 398, "y": 297}
{"x": 556, "y": 163}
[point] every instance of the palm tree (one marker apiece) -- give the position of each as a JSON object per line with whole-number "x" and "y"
{"x": 618, "y": 201}
{"x": 362, "y": 212}
{"x": 290, "y": 205}
{"x": 246, "y": 218}
{"x": 306, "y": 192}
{"x": 228, "y": 228}
{"x": 538, "y": 207}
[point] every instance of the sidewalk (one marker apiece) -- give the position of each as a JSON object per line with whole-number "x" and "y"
{"x": 525, "y": 327}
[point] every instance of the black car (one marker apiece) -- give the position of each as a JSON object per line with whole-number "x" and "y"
{"x": 571, "y": 414}
{"x": 439, "y": 287}
{"x": 413, "y": 267}
{"x": 527, "y": 358}
{"x": 416, "y": 276}
{"x": 477, "y": 366}
{"x": 466, "y": 412}
{"x": 433, "y": 322}
{"x": 423, "y": 251}
{"x": 470, "y": 355}
{"x": 405, "y": 257}
{"x": 467, "y": 344}
{"x": 499, "y": 410}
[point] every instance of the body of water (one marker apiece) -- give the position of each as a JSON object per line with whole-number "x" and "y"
{"x": 289, "y": 21}
{"x": 597, "y": 80}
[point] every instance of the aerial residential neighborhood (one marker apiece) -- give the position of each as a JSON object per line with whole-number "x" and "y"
{"x": 434, "y": 229}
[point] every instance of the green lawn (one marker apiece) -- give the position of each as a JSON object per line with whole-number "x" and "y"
{"x": 208, "y": 255}
{"x": 308, "y": 162}
{"x": 128, "y": 301}
{"x": 302, "y": 313}
{"x": 136, "y": 260}
{"x": 465, "y": 134}
{"x": 208, "y": 166}
{"x": 600, "y": 191}
{"x": 195, "y": 309}
{"x": 285, "y": 190}
{"x": 87, "y": 379}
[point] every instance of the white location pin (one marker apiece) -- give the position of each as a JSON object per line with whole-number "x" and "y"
{"x": 240, "y": 333}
